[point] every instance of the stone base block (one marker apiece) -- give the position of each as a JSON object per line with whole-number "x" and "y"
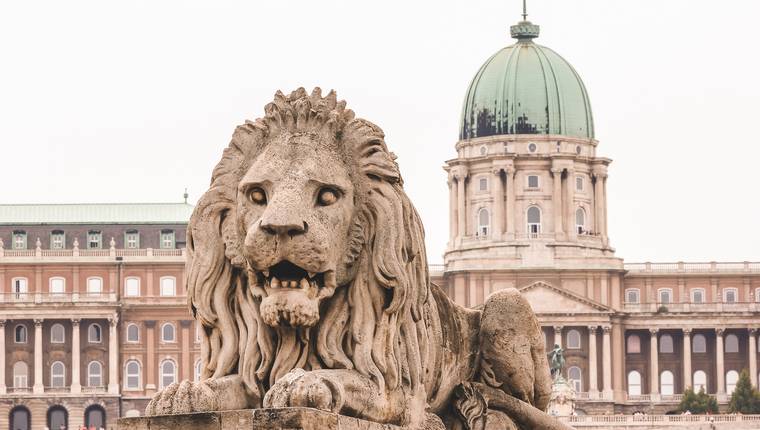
{"x": 253, "y": 419}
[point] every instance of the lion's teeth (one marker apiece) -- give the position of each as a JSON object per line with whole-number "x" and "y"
{"x": 304, "y": 283}
{"x": 274, "y": 283}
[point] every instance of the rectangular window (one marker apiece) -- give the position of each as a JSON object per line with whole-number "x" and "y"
{"x": 632, "y": 296}
{"x": 57, "y": 240}
{"x": 697, "y": 296}
{"x": 57, "y": 286}
{"x": 132, "y": 239}
{"x": 579, "y": 183}
{"x": 19, "y": 240}
{"x": 532, "y": 181}
{"x": 132, "y": 287}
{"x": 94, "y": 240}
{"x": 94, "y": 286}
{"x": 665, "y": 297}
{"x": 168, "y": 287}
{"x": 167, "y": 239}
{"x": 483, "y": 184}
{"x": 730, "y": 295}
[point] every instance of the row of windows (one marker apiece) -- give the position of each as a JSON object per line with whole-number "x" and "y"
{"x": 58, "y": 334}
{"x": 167, "y": 374}
{"x": 57, "y": 286}
{"x": 168, "y": 333}
{"x": 94, "y": 239}
{"x": 667, "y": 384}
{"x": 698, "y": 344}
{"x": 665, "y": 295}
{"x": 57, "y": 418}
{"x": 531, "y": 181}
{"x": 533, "y": 225}
{"x": 57, "y": 374}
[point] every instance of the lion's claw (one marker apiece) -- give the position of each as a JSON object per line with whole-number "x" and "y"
{"x": 218, "y": 394}
{"x": 305, "y": 389}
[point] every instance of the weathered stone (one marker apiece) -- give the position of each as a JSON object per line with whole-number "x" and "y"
{"x": 307, "y": 270}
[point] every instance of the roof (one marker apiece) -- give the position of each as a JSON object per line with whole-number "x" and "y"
{"x": 96, "y": 213}
{"x": 526, "y": 88}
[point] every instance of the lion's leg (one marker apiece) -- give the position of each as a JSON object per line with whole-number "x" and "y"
{"x": 513, "y": 352}
{"x": 216, "y": 394}
{"x": 345, "y": 392}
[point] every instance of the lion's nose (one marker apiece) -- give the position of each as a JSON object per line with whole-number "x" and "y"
{"x": 284, "y": 227}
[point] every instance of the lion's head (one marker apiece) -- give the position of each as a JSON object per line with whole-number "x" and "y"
{"x": 306, "y": 252}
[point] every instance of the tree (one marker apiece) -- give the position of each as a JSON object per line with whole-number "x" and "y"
{"x": 745, "y": 399}
{"x": 698, "y": 403}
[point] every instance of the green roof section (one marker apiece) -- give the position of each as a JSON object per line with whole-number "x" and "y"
{"x": 96, "y": 213}
{"x": 526, "y": 88}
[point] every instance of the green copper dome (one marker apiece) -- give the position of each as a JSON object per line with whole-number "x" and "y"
{"x": 526, "y": 88}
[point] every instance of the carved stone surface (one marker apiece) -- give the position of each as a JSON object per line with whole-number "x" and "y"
{"x": 307, "y": 271}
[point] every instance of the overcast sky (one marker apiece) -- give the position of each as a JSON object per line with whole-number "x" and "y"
{"x": 133, "y": 101}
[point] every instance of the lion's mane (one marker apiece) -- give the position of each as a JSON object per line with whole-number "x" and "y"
{"x": 374, "y": 324}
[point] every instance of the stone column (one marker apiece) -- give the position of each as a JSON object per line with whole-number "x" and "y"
{"x": 606, "y": 363}
{"x": 511, "y": 216}
{"x": 558, "y": 335}
{"x": 150, "y": 356}
{"x": 497, "y": 220}
{"x": 39, "y": 386}
{"x": 461, "y": 215}
{"x": 3, "y": 389}
{"x": 186, "y": 370}
{"x": 559, "y": 233}
{"x": 570, "y": 230}
{"x": 452, "y": 210}
{"x": 654, "y": 369}
{"x": 76, "y": 380}
{"x": 753, "y": 356}
{"x": 592, "y": 372}
{"x": 599, "y": 225}
{"x": 721, "y": 373}
{"x": 686, "y": 358}
{"x": 604, "y": 209}
{"x": 113, "y": 355}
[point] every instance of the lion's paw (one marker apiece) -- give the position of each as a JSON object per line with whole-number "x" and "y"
{"x": 214, "y": 394}
{"x": 306, "y": 389}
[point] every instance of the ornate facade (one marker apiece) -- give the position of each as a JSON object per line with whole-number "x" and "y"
{"x": 528, "y": 210}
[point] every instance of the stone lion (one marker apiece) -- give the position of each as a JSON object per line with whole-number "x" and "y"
{"x": 307, "y": 270}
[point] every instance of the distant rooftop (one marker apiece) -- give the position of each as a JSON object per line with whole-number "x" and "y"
{"x": 96, "y": 213}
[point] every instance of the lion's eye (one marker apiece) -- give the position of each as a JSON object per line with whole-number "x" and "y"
{"x": 327, "y": 196}
{"x": 257, "y": 196}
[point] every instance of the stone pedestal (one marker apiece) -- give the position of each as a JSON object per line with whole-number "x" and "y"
{"x": 253, "y": 419}
{"x": 562, "y": 402}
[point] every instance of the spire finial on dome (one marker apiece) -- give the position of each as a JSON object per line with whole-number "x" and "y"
{"x": 524, "y": 30}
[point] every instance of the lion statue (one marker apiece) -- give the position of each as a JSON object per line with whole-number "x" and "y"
{"x": 307, "y": 271}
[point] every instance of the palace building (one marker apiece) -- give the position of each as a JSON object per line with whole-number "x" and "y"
{"x": 93, "y": 311}
{"x": 528, "y": 210}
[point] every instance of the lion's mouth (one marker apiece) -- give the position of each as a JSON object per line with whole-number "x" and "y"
{"x": 286, "y": 276}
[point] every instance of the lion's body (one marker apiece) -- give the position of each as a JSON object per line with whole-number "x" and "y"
{"x": 305, "y": 253}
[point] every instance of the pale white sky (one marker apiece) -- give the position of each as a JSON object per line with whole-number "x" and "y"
{"x": 135, "y": 100}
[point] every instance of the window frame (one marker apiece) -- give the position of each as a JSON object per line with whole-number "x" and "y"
{"x": 529, "y": 225}
{"x": 697, "y": 385}
{"x": 87, "y": 283}
{"x": 725, "y": 293}
{"x": 127, "y": 338}
{"x": 671, "y": 384}
{"x": 15, "y": 235}
{"x": 90, "y": 373}
{"x": 163, "y": 333}
{"x": 17, "y": 377}
{"x": 483, "y": 179}
{"x": 63, "y": 285}
{"x": 19, "y": 295}
{"x": 659, "y": 296}
{"x": 163, "y": 374}
{"x": 24, "y": 330}
{"x": 731, "y": 372}
{"x": 57, "y": 234}
{"x": 127, "y": 234}
{"x": 694, "y": 343}
{"x": 197, "y": 370}
{"x": 483, "y": 230}
{"x": 638, "y": 296}
{"x": 661, "y": 344}
{"x": 163, "y": 244}
{"x": 579, "y": 182}
{"x": 538, "y": 182}
{"x": 126, "y": 286}
{"x": 97, "y": 234}
{"x": 692, "y": 293}
{"x": 580, "y": 228}
{"x": 638, "y": 384}
{"x": 628, "y": 343}
{"x": 89, "y": 333}
{"x": 61, "y": 376}
{"x": 63, "y": 333}
{"x": 567, "y": 339}
{"x": 576, "y": 382}
{"x": 735, "y": 338}
{"x": 161, "y": 286}
{"x": 128, "y": 375}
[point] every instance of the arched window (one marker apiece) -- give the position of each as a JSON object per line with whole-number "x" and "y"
{"x": 634, "y": 383}
{"x": 167, "y": 332}
{"x": 665, "y": 295}
{"x": 484, "y": 222}
{"x": 732, "y": 343}
{"x": 57, "y": 286}
{"x": 133, "y": 333}
{"x": 94, "y": 333}
{"x": 57, "y": 334}
{"x": 20, "y": 375}
{"x": 20, "y": 418}
{"x": 94, "y": 286}
{"x": 133, "y": 377}
{"x": 699, "y": 344}
{"x": 57, "y": 375}
{"x": 666, "y": 383}
{"x": 698, "y": 295}
{"x": 573, "y": 339}
{"x": 198, "y": 371}
{"x": 632, "y": 296}
{"x": 700, "y": 381}
{"x": 19, "y": 288}
{"x": 20, "y": 335}
{"x": 732, "y": 377}
{"x": 666, "y": 344}
{"x": 168, "y": 286}
{"x": 95, "y": 417}
{"x": 168, "y": 373}
{"x": 574, "y": 376}
{"x": 580, "y": 220}
{"x": 94, "y": 374}
{"x": 730, "y": 295}
{"x": 58, "y": 418}
{"x": 633, "y": 344}
{"x": 132, "y": 287}
{"x": 534, "y": 221}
